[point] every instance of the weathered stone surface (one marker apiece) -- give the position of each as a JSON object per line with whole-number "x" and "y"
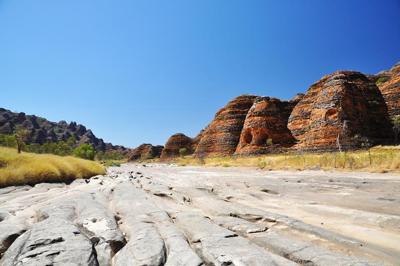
{"x": 388, "y": 83}
{"x": 145, "y": 247}
{"x": 8, "y": 233}
{"x": 302, "y": 252}
{"x": 265, "y": 128}
{"x": 222, "y": 135}
{"x": 342, "y": 110}
{"x": 153, "y": 239}
{"x": 174, "y": 144}
{"x": 220, "y": 246}
{"x": 51, "y": 242}
{"x": 145, "y": 151}
{"x": 191, "y": 216}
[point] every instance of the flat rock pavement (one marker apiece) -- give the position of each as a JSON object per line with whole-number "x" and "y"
{"x": 160, "y": 214}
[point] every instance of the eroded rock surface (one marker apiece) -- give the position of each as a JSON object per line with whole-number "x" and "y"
{"x": 222, "y": 135}
{"x": 178, "y": 216}
{"x": 145, "y": 151}
{"x": 343, "y": 110}
{"x": 389, "y": 84}
{"x": 265, "y": 128}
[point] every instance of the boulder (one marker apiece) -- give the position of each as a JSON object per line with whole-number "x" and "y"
{"x": 174, "y": 145}
{"x": 222, "y": 135}
{"x": 145, "y": 151}
{"x": 343, "y": 110}
{"x": 265, "y": 128}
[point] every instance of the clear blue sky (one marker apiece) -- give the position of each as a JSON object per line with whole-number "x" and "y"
{"x": 139, "y": 71}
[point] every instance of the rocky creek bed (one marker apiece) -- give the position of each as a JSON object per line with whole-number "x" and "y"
{"x": 169, "y": 215}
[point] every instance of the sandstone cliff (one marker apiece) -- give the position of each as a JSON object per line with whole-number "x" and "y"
{"x": 222, "y": 135}
{"x": 265, "y": 127}
{"x": 145, "y": 151}
{"x": 342, "y": 110}
{"x": 389, "y": 85}
{"x": 174, "y": 145}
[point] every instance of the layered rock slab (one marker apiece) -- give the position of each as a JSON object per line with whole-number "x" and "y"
{"x": 222, "y": 135}
{"x": 265, "y": 127}
{"x": 343, "y": 110}
{"x": 220, "y": 246}
{"x": 53, "y": 241}
{"x": 153, "y": 239}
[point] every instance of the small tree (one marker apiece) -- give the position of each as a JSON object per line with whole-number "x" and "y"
{"x": 21, "y": 134}
{"x": 85, "y": 151}
{"x": 183, "y": 152}
{"x": 7, "y": 140}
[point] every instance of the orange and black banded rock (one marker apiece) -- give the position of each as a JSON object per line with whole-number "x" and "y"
{"x": 222, "y": 135}
{"x": 145, "y": 151}
{"x": 175, "y": 144}
{"x": 388, "y": 83}
{"x": 342, "y": 110}
{"x": 265, "y": 128}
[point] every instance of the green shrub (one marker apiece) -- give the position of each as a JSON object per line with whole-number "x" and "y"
{"x": 381, "y": 80}
{"x": 8, "y": 140}
{"x": 85, "y": 151}
{"x": 396, "y": 120}
{"x": 183, "y": 152}
{"x": 59, "y": 148}
{"x": 110, "y": 155}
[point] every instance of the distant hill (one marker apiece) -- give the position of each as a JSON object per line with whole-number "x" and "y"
{"x": 42, "y": 131}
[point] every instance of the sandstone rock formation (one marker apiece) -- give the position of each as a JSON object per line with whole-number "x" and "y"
{"x": 41, "y": 130}
{"x": 389, "y": 85}
{"x": 222, "y": 135}
{"x": 196, "y": 140}
{"x": 342, "y": 110}
{"x": 145, "y": 151}
{"x": 265, "y": 128}
{"x": 174, "y": 145}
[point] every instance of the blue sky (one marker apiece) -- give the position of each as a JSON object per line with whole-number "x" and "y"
{"x": 139, "y": 71}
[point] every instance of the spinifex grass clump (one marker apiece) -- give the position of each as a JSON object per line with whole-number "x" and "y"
{"x": 30, "y": 168}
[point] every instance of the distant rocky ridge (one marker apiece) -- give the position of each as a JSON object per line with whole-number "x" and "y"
{"x": 41, "y": 130}
{"x": 342, "y": 111}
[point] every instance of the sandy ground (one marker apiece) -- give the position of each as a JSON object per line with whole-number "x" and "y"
{"x": 217, "y": 216}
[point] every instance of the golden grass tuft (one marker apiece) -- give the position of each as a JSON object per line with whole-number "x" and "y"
{"x": 31, "y": 168}
{"x": 378, "y": 159}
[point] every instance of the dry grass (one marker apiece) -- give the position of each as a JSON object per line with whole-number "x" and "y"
{"x": 30, "y": 168}
{"x": 378, "y": 159}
